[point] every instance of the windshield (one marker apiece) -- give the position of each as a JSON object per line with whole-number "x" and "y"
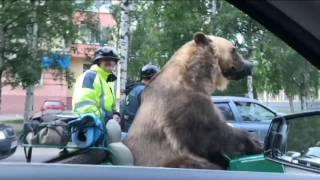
{"x": 111, "y": 72}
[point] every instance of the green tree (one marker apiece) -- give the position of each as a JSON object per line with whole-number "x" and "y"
{"x": 161, "y": 27}
{"x": 279, "y": 67}
{"x": 19, "y": 62}
{"x": 284, "y": 69}
{"x": 246, "y": 33}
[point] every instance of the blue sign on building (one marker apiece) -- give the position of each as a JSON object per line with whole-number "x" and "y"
{"x": 63, "y": 60}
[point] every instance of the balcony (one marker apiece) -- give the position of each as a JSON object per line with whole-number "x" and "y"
{"x": 83, "y": 50}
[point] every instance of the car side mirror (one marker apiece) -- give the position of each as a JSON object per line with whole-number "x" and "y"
{"x": 293, "y": 138}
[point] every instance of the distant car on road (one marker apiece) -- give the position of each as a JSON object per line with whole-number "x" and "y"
{"x": 313, "y": 152}
{"x": 8, "y": 141}
{"x": 51, "y": 104}
{"x": 311, "y": 157}
{"x": 245, "y": 113}
{"x": 291, "y": 156}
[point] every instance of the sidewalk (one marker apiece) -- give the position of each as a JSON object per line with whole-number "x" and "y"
{"x": 10, "y": 117}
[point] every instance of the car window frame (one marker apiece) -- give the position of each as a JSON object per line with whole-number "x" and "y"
{"x": 231, "y": 109}
{"x": 266, "y": 108}
{"x": 261, "y": 105}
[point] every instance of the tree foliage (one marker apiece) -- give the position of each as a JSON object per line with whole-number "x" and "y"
{"x": 20, "y": 63}
{"x": 56, "y": 30}
{"x": 159, "y": 27}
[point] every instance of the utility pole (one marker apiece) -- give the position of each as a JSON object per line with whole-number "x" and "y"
{"x": 124, "y": 50}
{"x": 2, "y": 45}
{"x": 213, "y": 12}
{"x": 29, "y": 102}
{"x": 250, "y": 82}
{"x": 214, "y": 7}
{"x": 305, "y": 90}
{"x": 250, "y": 87}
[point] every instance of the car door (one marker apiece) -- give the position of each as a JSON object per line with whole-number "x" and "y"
{"x": 253, "y": 117}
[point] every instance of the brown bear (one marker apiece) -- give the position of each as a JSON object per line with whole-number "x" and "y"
{"x": 177, "y": 124}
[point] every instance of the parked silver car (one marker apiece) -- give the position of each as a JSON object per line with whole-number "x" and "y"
{"x": 245, "y": 113}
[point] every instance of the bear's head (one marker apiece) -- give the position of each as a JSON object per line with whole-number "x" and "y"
{"x": 228, "y": 63}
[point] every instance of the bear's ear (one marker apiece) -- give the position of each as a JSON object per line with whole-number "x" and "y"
{"x": 200, "y": 38}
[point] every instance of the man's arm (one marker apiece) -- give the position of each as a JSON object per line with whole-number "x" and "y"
{"x": 140, "y": 96}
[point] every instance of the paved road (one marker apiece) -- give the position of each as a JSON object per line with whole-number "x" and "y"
{"x": 38, "y": 155}
{"x": 9, "y": 117}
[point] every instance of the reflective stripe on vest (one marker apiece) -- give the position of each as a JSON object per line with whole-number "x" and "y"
{"x": 83, "y": 103}
{"x": 104, "y": 111}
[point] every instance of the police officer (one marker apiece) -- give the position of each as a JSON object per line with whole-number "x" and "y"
{"x": 133, "y": 92}
{"x": 94, "y": 90}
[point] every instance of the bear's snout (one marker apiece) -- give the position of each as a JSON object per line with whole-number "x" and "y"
{"x": 237, "y": 74}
